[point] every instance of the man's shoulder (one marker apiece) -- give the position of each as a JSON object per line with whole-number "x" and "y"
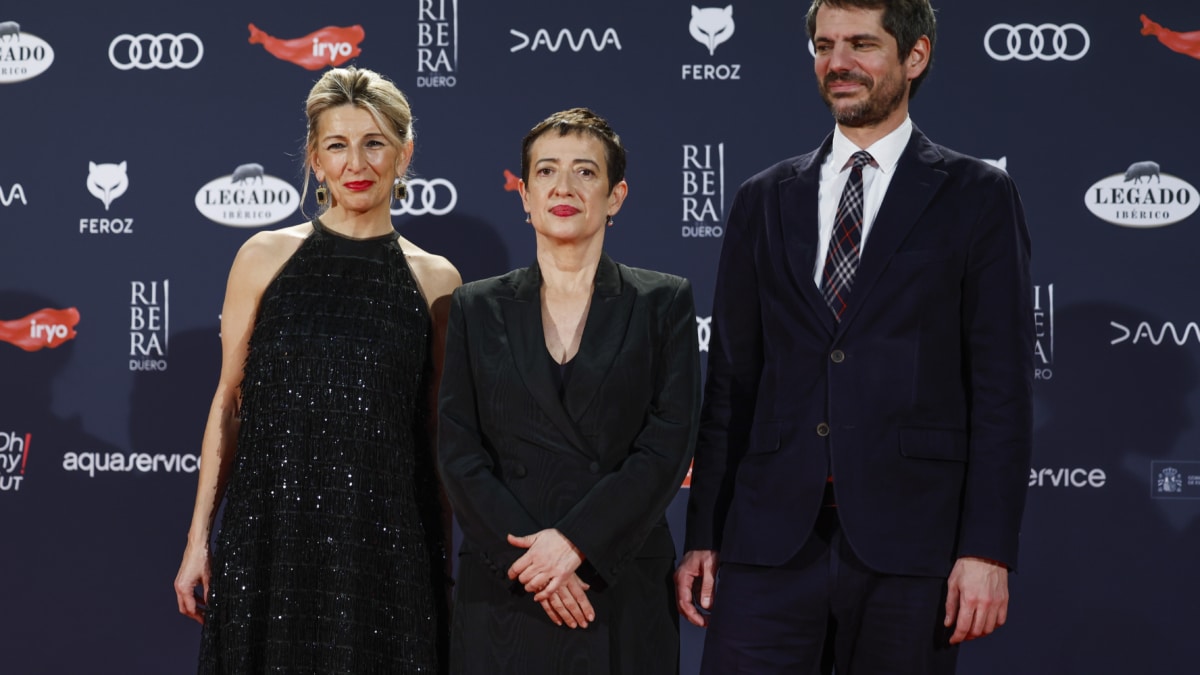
{"x": 773, "y": 175}
{"x": 968, "y": 167}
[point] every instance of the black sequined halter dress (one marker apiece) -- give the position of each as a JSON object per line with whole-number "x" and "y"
{"x": 330, "y": 557}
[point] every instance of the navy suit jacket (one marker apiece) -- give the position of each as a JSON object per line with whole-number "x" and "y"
{"x": 918, "y": 402}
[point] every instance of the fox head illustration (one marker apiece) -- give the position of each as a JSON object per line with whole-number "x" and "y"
{"x": 711, "y": 26}
{"x": 107, "y": 181}
{"x": 1001, "y": 163}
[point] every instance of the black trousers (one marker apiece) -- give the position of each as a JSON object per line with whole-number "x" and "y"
{"x": 823, "y": 612}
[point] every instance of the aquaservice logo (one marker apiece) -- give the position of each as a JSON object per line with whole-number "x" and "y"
{"x": 329, "y": 46}
{"x": 44, "y": 329}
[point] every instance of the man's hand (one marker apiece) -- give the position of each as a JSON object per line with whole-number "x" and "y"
{"x": 698, "y": 569}
{"x": 976, "y": 599}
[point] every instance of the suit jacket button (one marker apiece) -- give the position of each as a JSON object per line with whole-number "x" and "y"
{"x": 519, "y": 471}
{"x": 822, "y": 429}
{"x": 837, "y": 356}
{"x": 594, "y": 467}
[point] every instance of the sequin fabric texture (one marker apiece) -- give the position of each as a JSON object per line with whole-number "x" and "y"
{"x": 330, "y": 557}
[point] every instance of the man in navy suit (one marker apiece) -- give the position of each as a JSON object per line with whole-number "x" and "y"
{"x": 865, "y": 439}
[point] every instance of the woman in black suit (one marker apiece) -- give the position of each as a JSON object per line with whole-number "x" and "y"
{"x": 568, "y": 413}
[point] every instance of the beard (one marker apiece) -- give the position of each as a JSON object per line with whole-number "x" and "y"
{"x": 882, "y": 99}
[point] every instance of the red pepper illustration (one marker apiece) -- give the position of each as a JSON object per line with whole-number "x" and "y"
{"x": 510, "y": 181}
{"x": 1184, "y": 43}
{"x": 45, "y": 328}
{"x": 330, "y": 46}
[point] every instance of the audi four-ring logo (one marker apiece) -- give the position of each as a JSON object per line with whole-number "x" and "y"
{"x": 1059, "y": 46}
{"x": 164, "y": 51}
{"x": 430, "y": 198}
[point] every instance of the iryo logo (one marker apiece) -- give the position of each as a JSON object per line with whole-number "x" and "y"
{"x": 330, "y": 46}
{"x": 44, "y": 329}
{"x": 14, "y": 453}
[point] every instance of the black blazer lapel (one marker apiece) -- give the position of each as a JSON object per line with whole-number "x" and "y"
{"x": 800, "y": 224}
{"x": 916, "y": 181}
{"x": 603, "y": 334}
{"x": 527, "y": 343}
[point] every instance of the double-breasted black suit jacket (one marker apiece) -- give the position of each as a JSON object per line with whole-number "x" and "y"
{"x": 918, "y": 402}
{"x": 601, "y": 464}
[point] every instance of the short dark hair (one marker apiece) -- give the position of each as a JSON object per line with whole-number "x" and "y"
{"x": 579, "y": 121}
{"x": 905, "y": 20}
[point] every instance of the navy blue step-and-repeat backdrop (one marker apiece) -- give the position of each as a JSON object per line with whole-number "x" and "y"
{"x": 143, "y": 142}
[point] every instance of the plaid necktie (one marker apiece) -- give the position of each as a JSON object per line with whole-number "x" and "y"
{"x": 842, "y": 260}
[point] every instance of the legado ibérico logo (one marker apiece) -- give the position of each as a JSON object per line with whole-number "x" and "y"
{"x": 1142, "y": 197}
{"x": 248, "y": 197}
{"x": 14, "y": 453}
{"x": 23, "y": 56}
{"x": 44, "y": 329}
{"x": 1187, "y": 44}
{"x": 330, "y": 46}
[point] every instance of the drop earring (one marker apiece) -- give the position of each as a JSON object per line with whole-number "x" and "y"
{"x": 399, "y": 191}
{"x": 528, "y": 219}
{"x": 322, "y": 195}
{"x": 610, "y": 221}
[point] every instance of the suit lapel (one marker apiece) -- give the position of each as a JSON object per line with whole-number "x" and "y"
{"x": 603, "y": 335}
{"x": 916, "y": 181}
{"x": 799, "y": 223}
{"x": 527, "y": 343}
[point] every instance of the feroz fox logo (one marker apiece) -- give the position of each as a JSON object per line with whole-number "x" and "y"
{"x": 711, "y": 26}
{"x": 44, "y": 329}
{"x": 106, "y": 182}
{"x": 329, "y": 46}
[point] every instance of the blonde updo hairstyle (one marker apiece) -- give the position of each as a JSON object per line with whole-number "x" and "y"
{"x": 365, "y": 89}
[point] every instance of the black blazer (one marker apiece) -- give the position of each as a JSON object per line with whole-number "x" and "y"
{"x": 918, "y": 403}
{"x": 602, "y": 464}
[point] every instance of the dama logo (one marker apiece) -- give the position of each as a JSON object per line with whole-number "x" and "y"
{"x": 330, "y": 46}
{"x": 1187, "y": 44}
{"x": 23, "y": 56}
{"x": 44, "y": 329}
{"x": 542, "y": 39}
{"x": 14, "y": 193}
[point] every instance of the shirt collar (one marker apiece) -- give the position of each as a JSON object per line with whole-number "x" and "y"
{"x": 886, "y": 150}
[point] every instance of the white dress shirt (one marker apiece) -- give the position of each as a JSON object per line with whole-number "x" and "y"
{"x": 876, "y": 178}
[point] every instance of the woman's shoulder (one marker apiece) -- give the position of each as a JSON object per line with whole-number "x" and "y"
{"x": 653, "y": 281}
{"x": 261, "y": 256}
{"x": 434, "y": 272}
